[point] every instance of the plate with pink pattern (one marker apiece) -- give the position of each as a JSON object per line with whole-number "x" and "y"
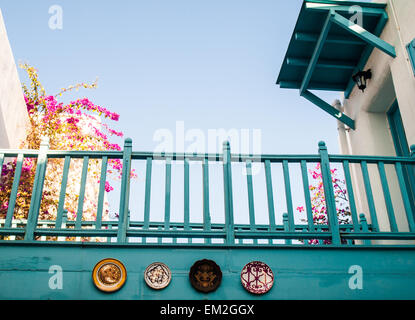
{"x": 257, "y": 277}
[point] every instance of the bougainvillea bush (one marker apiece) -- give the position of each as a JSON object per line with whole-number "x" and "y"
{"x": 318, "y": 200}
{"x": 77, "y": 125}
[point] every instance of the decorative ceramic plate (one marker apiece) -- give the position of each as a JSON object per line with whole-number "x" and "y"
{"x": 257, "y": 277}
{"x": 157, "y": 275}
{"x": 109, "y": 275}
{"x": 205, "y": 275}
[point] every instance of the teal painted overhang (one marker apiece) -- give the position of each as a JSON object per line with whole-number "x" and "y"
{"x": 327, "y": 47}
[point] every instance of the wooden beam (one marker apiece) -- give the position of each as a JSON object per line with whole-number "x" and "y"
{"x": 312, "y": 86}
{"x": 343, "y": 8}
{"x": 329, "y": 109}
{"x": 338, "y": 39}
{"x": 332, "y": 64}
{"x": 316, "y": 53}
{"x": 363, "y": 34}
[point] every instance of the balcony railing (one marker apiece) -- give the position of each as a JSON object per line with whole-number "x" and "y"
{"x": 379, "y": 184}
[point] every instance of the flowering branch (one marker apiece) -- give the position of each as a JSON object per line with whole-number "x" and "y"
{"x": 76, "y": 125}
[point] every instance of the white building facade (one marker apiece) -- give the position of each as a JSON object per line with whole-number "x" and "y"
{"x": 390, "y": 91}
{"x": 384, "y": 113}
{"x": 13, "y": 112}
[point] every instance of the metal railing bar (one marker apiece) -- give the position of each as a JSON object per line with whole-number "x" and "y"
{"x": 288, "y": 195}
{"x": 125, "y": 191}
{"x": 387, "y": 197}
{"x": 380, "y": 235}
{"x": 13, "y": 194}
{"x": 306, "y": 187}
{"x": 282, "y": 235}
{"x": 147, "y": 196}
{"x": 369, "y": 196}
{"x": 138, "y": 155}
{"x": 370, "y": 159}
{"x": 82, "y": 154}
{"x": 101, "y": 192}
{"x": 12, "y": 231}
{"x": 62, "y": 194}
{"x": 352, "y": 202}
{"x": 1, "y": 163}
{"x": 228, "y": 194}
{"x": 167, "y": 197}
{"x": 270, "y": 195}
{"x": 206, "y": 207}
{"x": 9, "y": 153}
{"x": 405, "y": 197}
{"x": 37, "y": 191}
{"x": 249, "y": 182}
{"x": 215, "y": 226}
{"x": 186, "y": 199}
{"x": 80, "y": 209}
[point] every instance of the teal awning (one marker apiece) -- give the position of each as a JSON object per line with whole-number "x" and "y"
{"x": 327, "y": 47}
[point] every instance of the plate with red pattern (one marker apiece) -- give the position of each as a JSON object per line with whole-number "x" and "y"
{"x": 257, "y": 277}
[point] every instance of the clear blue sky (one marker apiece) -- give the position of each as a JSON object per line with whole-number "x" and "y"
{"x": 210, "y": 63}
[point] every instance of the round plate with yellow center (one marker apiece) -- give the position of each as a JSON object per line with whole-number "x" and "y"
{"x": 109, "y": 275}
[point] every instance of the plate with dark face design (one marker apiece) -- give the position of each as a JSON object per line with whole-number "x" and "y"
{"x": 205, "y": 275}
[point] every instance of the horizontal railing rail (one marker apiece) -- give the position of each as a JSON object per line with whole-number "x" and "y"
{"x": 382, "y": 187}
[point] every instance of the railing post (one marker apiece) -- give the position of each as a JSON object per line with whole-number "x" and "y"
{"x": 63, "y": 224}
{"x": 329, "y": 194}
{"x": 365, "y": 227}
{"x": 37, "y": 190}
{"x": 412, "y": 167}
{"x": 206, "y": 210}
{"x": 125, "y": 191}
{"x": 228, "y": 199}
{"x": 411, "y": 171}
{"x": 286, "y": 224}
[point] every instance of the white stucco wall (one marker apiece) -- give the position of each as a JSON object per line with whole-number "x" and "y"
{"x": 13, "y": 112}
{"x": 392, "y": 79}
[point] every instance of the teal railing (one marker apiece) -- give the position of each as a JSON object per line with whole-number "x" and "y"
{"x": 228, "y": 233}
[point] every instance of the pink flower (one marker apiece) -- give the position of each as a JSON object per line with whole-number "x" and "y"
{"x": 108, "y": 187}
{"x": 72, "y": 120}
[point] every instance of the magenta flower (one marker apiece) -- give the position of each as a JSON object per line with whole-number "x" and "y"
{"x": 108, "y": 187}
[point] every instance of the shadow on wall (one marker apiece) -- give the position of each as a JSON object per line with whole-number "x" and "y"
{"x": 4, "y": 138}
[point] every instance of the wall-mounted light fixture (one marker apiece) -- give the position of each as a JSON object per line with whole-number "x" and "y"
{"x": 361, "y": 78}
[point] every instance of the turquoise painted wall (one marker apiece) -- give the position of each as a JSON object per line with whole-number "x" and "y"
{"x": 301, "y": 273}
